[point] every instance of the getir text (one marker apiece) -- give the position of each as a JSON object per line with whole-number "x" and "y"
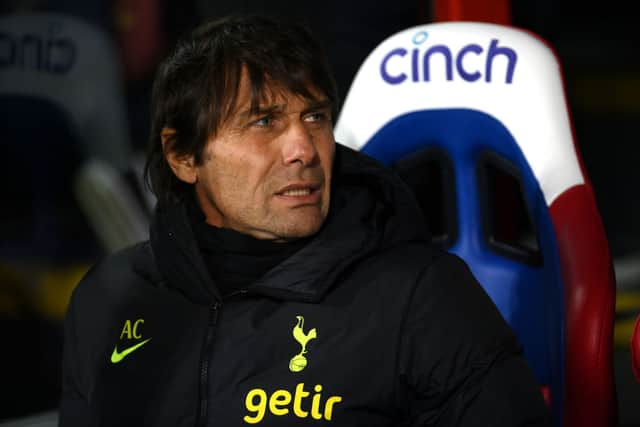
{"x": 282, "y": 402}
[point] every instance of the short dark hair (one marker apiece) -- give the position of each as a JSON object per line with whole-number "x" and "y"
{"x": 196, "y": 86}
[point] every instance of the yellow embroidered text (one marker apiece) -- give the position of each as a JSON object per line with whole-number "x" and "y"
{"x": 282, "y": 402}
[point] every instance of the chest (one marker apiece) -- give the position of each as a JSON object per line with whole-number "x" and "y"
{"x": 295, "y": 363}
{"x": 250, "y": 360}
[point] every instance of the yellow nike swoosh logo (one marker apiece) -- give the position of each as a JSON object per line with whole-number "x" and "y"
{"x": 118, "y": 356}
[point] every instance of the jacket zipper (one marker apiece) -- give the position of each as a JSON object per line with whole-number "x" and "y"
{"x": 204, "y": 364}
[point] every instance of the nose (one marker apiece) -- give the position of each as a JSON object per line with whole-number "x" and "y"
{"x": 298, "y": 145}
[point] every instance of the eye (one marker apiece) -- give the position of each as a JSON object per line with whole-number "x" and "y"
{"x": 316, "y": 117}
{"x": 263, "y": 122}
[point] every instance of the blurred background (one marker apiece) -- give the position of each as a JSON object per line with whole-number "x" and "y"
{"x": 86, "y": 78}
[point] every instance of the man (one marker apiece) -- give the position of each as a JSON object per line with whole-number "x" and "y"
{"x": 287, "y": 280}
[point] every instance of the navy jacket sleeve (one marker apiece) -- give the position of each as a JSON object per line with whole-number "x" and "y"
{"x": 460, "y": 363}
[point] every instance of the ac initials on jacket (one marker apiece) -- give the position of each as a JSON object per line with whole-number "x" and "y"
{"x": 131, "y": 331}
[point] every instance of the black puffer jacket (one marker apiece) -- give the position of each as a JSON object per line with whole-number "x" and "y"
{"x": 364, "y": 326}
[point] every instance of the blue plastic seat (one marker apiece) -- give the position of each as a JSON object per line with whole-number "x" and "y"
{"x": 473, "y": 116}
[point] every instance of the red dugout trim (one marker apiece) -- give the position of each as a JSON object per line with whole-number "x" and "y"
{"x": 635, "y": 350}
{"x": 140, "y": 36}
{"x": 590, "y": 309}
{"x": 494, "y": 11}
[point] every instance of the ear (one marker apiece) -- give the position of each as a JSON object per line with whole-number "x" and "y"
{"x": 183, "y": 166}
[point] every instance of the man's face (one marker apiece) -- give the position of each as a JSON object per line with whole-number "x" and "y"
{"x": 269, "y": 174}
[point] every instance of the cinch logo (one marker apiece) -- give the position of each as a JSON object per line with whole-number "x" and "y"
{"x": 299, "y": 362}
{"x": 280, "y": 403}
{"x": 48, "y": 53}
{"x": 399, "y": 65}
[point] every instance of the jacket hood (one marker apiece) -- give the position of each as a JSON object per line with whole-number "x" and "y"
{"x": 371, "y": 210}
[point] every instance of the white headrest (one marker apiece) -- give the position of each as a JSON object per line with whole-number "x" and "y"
{"x": 502, "y": 71}
{"x": 74, "y": 65}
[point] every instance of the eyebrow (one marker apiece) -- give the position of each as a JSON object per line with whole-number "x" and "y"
{"x": 260, "y": 111}
{"x": 318, "y": 104}
{"x": 315, "y": 105}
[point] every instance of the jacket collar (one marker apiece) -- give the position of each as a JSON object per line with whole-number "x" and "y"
{"x": 370, "y": 209}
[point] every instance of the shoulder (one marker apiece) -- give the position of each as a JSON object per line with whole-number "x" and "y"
{"x": 432, "y": 265}
{"x": 436, "y": 284}
{"x": 449, "y": 304}
{"x": 117, "y": 273}
{"x": 418, "y": 257}
{"x": 411, "y": 268}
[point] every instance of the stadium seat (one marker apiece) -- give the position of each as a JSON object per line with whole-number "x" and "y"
{"x": 62, "y": 100}
{"x": 74, "y": 65}
{"x": 473, "y": 116}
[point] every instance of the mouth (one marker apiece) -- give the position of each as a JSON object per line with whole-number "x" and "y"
{"x": 300, "y": 192}
{"x": 297, "y": 192}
